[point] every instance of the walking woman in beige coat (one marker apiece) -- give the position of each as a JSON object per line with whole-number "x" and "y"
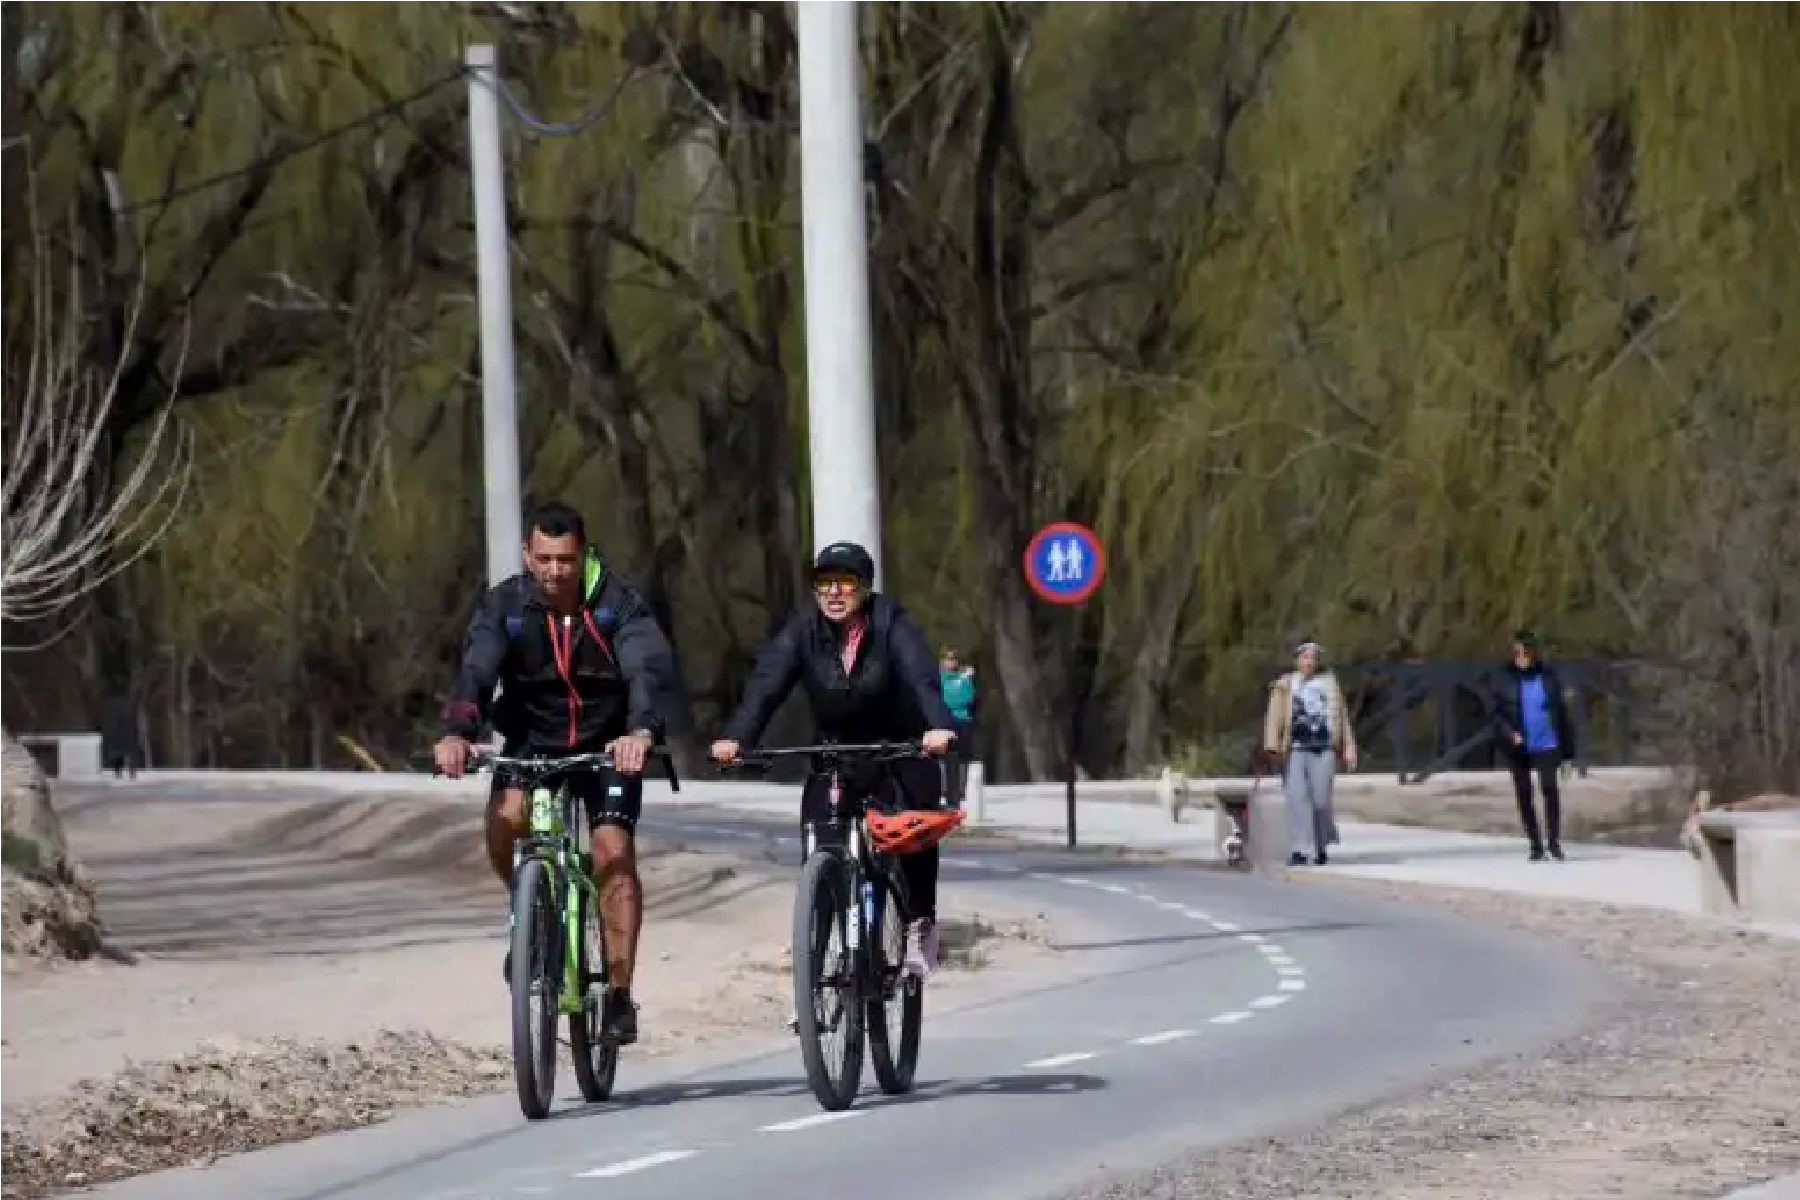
{"x": 1306, "y": 729}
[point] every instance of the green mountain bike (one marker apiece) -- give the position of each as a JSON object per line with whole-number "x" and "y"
{"x": 558, "y": 939}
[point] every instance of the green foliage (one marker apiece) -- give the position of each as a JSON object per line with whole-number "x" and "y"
{"x": 1397, "y": 328}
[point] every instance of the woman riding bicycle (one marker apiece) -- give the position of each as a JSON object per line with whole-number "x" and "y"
{"x": 869, "y": 676}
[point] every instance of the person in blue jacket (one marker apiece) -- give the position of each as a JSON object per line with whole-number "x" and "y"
{"x": 1535, "y": 736}
{"x": 957, "y": 683}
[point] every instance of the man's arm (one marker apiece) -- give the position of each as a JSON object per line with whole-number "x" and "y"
{"x": 777, "y": 668}
{"x": 912, "y": 657}
{"x": 657, "y": 706}
{"x": 484, "y": 652}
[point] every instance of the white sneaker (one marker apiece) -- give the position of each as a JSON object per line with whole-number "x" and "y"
{"x": 921, "y": 948}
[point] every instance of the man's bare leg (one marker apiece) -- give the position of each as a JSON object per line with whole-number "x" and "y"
{"x": 621, "y": 900}
{"x": 622, "y": 910}
{"x": 505, "y": 824}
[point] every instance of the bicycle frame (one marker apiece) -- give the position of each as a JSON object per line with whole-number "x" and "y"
{"x": 862, "y": 861}
{"x": 554, "y": 819}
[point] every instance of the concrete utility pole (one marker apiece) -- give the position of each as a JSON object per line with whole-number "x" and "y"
{"x": 499, "y": 408}
{"x": 840, "y": 385}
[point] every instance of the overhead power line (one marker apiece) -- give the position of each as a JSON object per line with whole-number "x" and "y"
{"x": 581, "y": 124}
{"x": 264, "y": 162}
{"x": 530, "y": 120}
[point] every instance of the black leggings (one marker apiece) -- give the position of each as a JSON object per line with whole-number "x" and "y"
{"x": 911, "y": 784}
{"x": 1545, "y": 765}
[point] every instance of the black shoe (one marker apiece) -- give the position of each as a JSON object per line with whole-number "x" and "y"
{"x": 1537, "y": 854}
{"x": 1556, "y": 852}
{"x": 1320, "y": 859}
{"x": 1296, "y": 859}
{"x": 618, "y": 1018}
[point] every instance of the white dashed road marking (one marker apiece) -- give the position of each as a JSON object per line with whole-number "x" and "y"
{"x": 632, "y": 1165}
{"x": 1157, "y": 1039}
{"x": 1058, "y": 1060}
{"x": 1232, "y": 1018}
{"x": 823, "y": 1118}
{"x": 1270, "y": 1001}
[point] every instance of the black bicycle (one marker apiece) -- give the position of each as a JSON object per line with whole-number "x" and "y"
{"x": 851, "y": 913}
{"x": 558, "y": 939}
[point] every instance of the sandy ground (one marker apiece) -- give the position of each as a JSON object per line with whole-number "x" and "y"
{"x": 1685, "y": 1085}
{"x": 304, "y": 965}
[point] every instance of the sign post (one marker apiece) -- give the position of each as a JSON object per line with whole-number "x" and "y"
{"x": 1065, "y": 564}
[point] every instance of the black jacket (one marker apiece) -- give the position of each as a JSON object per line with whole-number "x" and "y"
{"x": 1506, "y": 709}
{"x": 890, "y": 695}
{"x": 620, "y": 674}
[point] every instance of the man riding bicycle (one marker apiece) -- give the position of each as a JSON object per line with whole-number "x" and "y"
{"x": 583, "y": 666}
{"x": 869, "y": 676}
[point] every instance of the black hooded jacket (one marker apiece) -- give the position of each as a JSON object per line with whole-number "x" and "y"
{"x": 890, "y": 694}
{"x": 573, "y": 685}
{"x": 1506, "y": 706}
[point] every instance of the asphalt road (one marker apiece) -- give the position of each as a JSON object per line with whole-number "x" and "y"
{"x": 1215, "y": 1007}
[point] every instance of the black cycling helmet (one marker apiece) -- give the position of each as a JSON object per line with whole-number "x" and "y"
{"x": 845, "y": 556}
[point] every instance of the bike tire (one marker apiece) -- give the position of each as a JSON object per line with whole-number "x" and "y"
{"x": 821, "y": 901}
{"x": 596, "y": 1059}
{"x": 536, "y": 958}
{"x": 895, "y": 1060}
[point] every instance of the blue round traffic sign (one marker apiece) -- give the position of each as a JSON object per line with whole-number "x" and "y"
{"x": 1065, "y": 562}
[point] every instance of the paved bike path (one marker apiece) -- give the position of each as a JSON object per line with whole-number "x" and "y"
{"x": 1213, "y": 1007}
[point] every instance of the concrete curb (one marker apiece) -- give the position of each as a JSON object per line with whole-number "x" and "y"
{"x": 1785, "y": 1188}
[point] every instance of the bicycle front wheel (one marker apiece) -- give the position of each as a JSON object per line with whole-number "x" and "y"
{"x": 827, "y": 1002}
{"x": 536, "y": 985}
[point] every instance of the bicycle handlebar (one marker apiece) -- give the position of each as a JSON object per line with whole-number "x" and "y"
{"x": 542, "y": 766}
{"x": 830, "y": 752}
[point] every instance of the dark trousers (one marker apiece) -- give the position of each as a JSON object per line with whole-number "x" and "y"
{"x": 1544, "y": 764}
{"x": 956, "y": 764}
{"x": 916, "y": 784}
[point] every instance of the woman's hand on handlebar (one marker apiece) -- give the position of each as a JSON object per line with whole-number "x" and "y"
{"x": 725, "y": 751}
{"x": 937, "y": 741}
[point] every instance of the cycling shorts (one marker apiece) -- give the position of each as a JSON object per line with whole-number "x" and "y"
{"x": 609, "y": 797}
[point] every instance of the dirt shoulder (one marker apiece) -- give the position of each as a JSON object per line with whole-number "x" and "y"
{"x": 306, "y": 965}
{"x": 1686, "y": 1084}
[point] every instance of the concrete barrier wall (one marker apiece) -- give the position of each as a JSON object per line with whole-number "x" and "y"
{"x": 1471, "y": 801}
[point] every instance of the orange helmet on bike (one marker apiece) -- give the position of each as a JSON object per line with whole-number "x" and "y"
{"x": 913, "y": 830}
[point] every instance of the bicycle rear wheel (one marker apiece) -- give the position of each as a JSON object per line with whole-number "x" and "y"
{"x": 896, "y": 1011}
{"x": 825, "y": 971}
{"x": 596, "y": 1058}
{"x": 536, "y": 984}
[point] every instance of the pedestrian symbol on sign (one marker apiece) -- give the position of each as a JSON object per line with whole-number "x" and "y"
{"x": 1065, "y": 563}
{"x": 1066, "y": 560}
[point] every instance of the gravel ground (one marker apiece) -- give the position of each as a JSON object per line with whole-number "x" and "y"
{"x": 1685, "y": 1085}
{"x": 217, "y": 1102}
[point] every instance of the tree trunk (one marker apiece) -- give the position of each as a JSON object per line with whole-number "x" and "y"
{"x": 1147, "y": 691}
